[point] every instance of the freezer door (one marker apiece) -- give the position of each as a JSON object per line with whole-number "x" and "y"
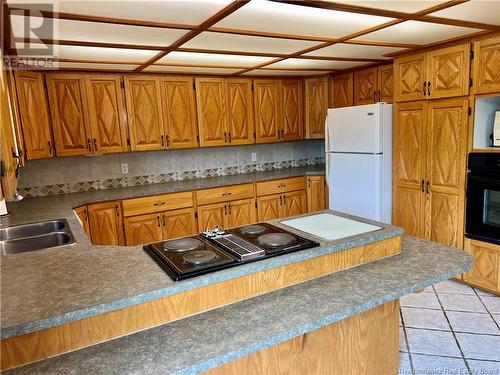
{"x": 355, "y": 184}
{"x": 355, "y": 129}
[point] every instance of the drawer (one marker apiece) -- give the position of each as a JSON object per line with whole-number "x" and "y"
{"x": 280, "y": 186}
{"x": 224, "y": 194}
{"x": 157, "y": 203}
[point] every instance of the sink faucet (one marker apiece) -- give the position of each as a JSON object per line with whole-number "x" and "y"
{"x": 16, "y": 196}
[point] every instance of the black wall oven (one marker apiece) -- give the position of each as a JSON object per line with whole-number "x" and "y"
{"x": 483, "y": 197}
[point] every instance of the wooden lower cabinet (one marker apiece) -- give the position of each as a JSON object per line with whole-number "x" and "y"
{"x": 294, "y": 203}
{"x": 315, "y": 193}
{"x": 83, "y": 214}
{"x": 106, "y": 223}
{"x": 276, "y": 206}
{"x": 241, "y": 212}
{"x": 227, "y": 214}
{"x": 366, "y": 338}
{"x": 486, "y": 271}
{"x": 142, "y": 229}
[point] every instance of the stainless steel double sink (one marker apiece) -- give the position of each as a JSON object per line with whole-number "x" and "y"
{"x": 35, "y": 236}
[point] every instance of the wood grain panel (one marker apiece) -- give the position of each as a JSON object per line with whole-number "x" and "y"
{"x": 316, "y": 106}
{"x": 241, "y": 125}
{"x": 359, "y": 343}
{"x": 342, "y": 93}
{"x": 269, "y": 207}
{"x": 83, "y": 215}
{"x": 143, "y": 229}
{"x": 179, "y": 223}
{"x": 107, "y": 114}
{"x": 486, "y": 271}
{"x": 179, "y": 111}
{"x": 315, "y": 193}
{"x": 267, "y": 103}
{"x": 241, "y": 212}
{"x": 70, "y": 336}
{"x": 212, "y": 215}
{"x": 224, "y": 194}
{"x": 68, "y": 107}
{"x": 385, "y": 83}
{"x": 157, "y": 203}
{"x": 280, "y": 186}
{"x": 34, "y": 113}
{"x": 211, "y": 99}
{"x": 487, "y": 66}
{"x": 365, "y": 86}
{"x": 294, "y": 203}
{"x": 106, "y": 223}
{"x": 292, "y": 104}
{"x": 409, "y": 77}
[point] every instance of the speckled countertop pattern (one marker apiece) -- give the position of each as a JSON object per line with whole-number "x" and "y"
{"x": 210, "y": 339}
{"x": 69, "y": 283}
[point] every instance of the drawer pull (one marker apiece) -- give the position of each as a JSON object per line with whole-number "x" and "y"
{"x": 226, "y": 194}
{"x": 158, "y": 204}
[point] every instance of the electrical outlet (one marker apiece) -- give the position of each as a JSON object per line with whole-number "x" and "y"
{"x": 124, "y": 168}
{"x": 254, "y": 156}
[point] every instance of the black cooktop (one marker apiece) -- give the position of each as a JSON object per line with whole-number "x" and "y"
{"x": 217, "y": 249}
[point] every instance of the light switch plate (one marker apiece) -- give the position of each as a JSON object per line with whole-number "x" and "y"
{"x": 124, "y": 168}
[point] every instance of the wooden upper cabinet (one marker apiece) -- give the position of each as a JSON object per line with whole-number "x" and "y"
{"x": 267, "y": 109}
{"x": 448, "y": 72}
{"x": 487, "y": 65}
{"x": 212, "y": 111}
{"x": 106, "y": 224}
{"x": 342, "y": 91}
{"x": 292, "y": 105}
{"x": 385, "y": 83}
{"x": 144, "y": 114}
{"x": 35, "y": 120}
{"x": 365, "y": 86}
{"x": 409, "y": 77}
{"x": 68, "y": 107}
{"x": 179, "y": 112}
{"x": 316, "y": 105}
{"x": 107, "y": 113}
{"x": 240, "y": 125}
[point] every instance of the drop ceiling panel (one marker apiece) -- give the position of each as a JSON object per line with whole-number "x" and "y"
{"x": 475, "y": 11}
{"x": 417, "y": 33}
{"x": 263, "y": 72}
{"x": 183, "y": 69}
{"x": 118, "y": 67}
{"x": 213, "y": 59}
{"x": 192, "y": 12}
{"x": 243, "y": 43}
{"x": 100, "y": 32}
{"x": 101, "y": 54}
{"x": 354, "y": 50}
{"x": 406, "y": 6}
{"x": 315, "y": 64}
{"x": 270, "y": 16}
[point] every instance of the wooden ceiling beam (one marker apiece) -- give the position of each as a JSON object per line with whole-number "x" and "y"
{"x": 232, "y": 7}
{"x": 80, "y": 43}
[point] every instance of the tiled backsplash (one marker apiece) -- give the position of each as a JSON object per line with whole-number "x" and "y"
{"x": 76, "y": 174}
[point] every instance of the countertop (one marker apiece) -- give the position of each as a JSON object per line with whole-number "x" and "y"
{"x": 210, "y": 339}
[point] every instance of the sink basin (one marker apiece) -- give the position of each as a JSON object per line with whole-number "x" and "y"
{"x": 35, "y": 236}
{"x": 33, "y": 229}
{"x": 21, "y": 245}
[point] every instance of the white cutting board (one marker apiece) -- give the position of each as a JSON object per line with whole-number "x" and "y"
{"x": 330, "y": 227}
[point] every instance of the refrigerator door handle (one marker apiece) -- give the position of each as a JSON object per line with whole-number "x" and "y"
{"x": 327, "y": 145}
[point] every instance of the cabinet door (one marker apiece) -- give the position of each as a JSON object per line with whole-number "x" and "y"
{"x": 143, "y": 229}
{"x": 179, "y": 112}
{"x": 294, "y": 203}
{"x": 179, "y": 223}
{"x": 448, "y": 73}
{"x": 211, "y": 215}
{"x": 269, "y": 207}
{"x": 144, "y": 115}
{"x": 315, "y": 193}
{"x": 68, "y": 107}
{"x": 241, "y": 126}
{"x": 409, "y": 77}
{"x": 293, "y": 118}
{"x": 365, "y": 86}
{"x": 267, "y": 109}
{"x": 486, "y": 270}
{"x": 241, "y": 212}
{"x": 342, "y": 93}
{"x": 446, "y": 170}
{"x": 107, "y": 114}
{"x": 34, "y": 113}
{"x": 409, "y": 167}
{"x": 106, "y": 224}
{"x": 487, "y": 66}
{"x": 212, "y": 111}
{"x": 83, "y": 214}
{"x": 385, "y": 83}
{"x": 316, "y": 105}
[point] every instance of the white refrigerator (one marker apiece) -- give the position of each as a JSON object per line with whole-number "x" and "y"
{"x": 358, "y": 145}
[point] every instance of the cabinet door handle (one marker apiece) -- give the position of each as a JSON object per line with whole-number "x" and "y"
{"x": 95, "y": 144}
{"x": 429, "y": 88}
{"x": 229, "y": 208}
{"x": 309, "y": 182}
{"x": 50, "y": 148}
{"x": 425, "y": 85}
{"x": 164, "y": 220}
{"x": 422, "y": 187}
{"x": 281, "y": 200}
{"x": 117, "y": 208}
{"x": 158, "y": 221}
{"x": 158, "y": 204}
{"x": 375, "y": 96}
{"x": 427, "y": 185}
{"x": 89, "y": 145}
{"x": 284, "y": 199}
{"x": 225, "y": 137}
{"x": 168, "y": 140}
{"x": 225, "y": 209}
{"x": 229, "y": 137}
{"x": 162, "y": 140}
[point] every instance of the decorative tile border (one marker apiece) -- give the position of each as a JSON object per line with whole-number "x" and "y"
{"x": 79, "y": 187}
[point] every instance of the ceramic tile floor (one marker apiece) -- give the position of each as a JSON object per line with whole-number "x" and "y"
{"x": 450, "y": 328}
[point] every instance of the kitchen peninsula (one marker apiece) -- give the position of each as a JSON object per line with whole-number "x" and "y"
{"x": 273, "y": 304}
